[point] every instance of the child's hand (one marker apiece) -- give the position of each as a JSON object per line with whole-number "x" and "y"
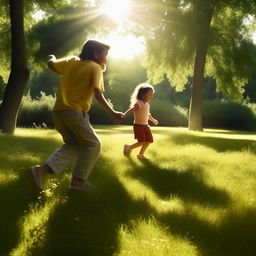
{"x": 156, "y": 122}
{"x": 118, "y": 116}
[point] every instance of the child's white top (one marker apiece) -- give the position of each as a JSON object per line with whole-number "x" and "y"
{"x": 141, "y": 114}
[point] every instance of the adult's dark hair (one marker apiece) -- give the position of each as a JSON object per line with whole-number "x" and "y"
{"x": 90, "y": 47}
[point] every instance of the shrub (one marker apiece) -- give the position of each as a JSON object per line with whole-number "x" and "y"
{"x": 228, "y": 115}
{"x": 163, "y": 110}
{"x": 36, "y": 113}
{"x": 98, "y": 114}
{"x": 168, "y": 114}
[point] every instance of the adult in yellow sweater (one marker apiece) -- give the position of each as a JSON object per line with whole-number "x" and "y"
{"x": 82, "y": 79}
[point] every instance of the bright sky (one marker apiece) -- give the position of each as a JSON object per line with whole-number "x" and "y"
{"x": 123, "y": 46}
{"x": 254, "y": 38}
{"x": 38, "y": 15}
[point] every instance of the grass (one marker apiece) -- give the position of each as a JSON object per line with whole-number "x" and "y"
{"x": 195, "y": 197}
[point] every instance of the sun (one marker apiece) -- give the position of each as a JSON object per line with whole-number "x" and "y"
{"x": 124, "y": 45}
{"x": 116, "y": 9}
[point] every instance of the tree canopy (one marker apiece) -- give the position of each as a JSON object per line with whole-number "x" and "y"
{"x": 184, "y": 39}
{"x": 175, "y": 29}
{"x": 197, "y": 38}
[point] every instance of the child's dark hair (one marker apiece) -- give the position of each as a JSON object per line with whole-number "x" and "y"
{"x": 139, "y": 91}
{"x": 90, "y": 47}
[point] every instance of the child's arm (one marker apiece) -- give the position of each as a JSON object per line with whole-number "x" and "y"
{"x": 153, "y": 120}
{"x": 51, "y": 59}
{"x": 130, "y": 110}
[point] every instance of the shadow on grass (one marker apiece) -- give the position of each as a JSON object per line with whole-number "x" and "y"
{"x": 16, "y": 192}
{"x": 187, "y": 185}
{"x": 219, "y": 144}
{"x": 235, "y": 235}
{"x": 20, "y": 147}
{"x": 15, "y": 197}
{"x": 89, "y": 223}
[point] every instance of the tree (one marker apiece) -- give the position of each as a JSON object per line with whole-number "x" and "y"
{"x": 19, "y": 71}
{"x": 250, "y": 90}
{"x": 198, "y": 38}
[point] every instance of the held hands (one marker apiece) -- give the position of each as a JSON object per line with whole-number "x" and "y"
{"x": 118, "y": 116}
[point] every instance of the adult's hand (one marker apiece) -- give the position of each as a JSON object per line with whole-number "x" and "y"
{"x": 118, "y": 115}
{"x": 50, "y": 61}
{"x": 51, "y": 56}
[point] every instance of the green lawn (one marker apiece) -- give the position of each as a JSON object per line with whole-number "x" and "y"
{"x": 195, "y": 197}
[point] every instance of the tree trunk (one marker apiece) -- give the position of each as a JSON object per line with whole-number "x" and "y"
{"x": 195, "y": 110}
{"x": 19, "y": 71}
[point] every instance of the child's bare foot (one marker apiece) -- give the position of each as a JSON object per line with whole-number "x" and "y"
{"x": 141, "y": 156}
{"x": 127, "y": 150}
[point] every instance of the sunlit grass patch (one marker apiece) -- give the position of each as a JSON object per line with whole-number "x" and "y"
{"x": 147, "y": 237}
{"x": 5, "y": 178}
{"x": 195, "y": 196}
{"x": 17, "y": 160}
{"x": 33, "y": 226}
{"x": 37, "y": 133}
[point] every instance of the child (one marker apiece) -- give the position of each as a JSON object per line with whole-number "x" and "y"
{"x": 82, "y": 79}
{"x": 140, "y": 99}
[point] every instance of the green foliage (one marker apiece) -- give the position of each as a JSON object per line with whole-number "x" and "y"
{"x": 98, "y": 114}
{"x": 63, "y": 28}
{"x": 30, "y": 7}
{"x": 168, "y": 114}
{"x": 250, "y": 90}
{"x": 121, "y": 78}
{"x": 5, "y": 31}
{"x": 217, "y": 114}
{"x": 36, "y": 113}
{"x": 228, "y": 115}
{"x": 231, "y": 53}
{"x": 44, "y": 81}
{"x": 175, "y": 29}
{"x": 163, "y": 110}
{"x": 58, "y": 37}
{"x": 2, "y": 87}
{"x": 67, "y": 31}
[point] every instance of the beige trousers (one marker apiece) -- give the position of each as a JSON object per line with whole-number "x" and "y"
{"x": 81, "y": 143}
